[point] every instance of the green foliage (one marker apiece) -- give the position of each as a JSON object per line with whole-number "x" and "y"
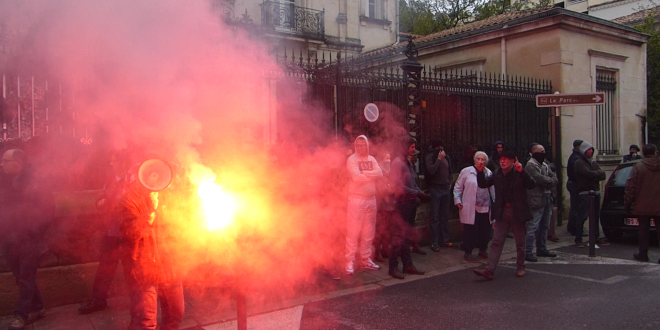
{"x": 429, "y": 16}
{"x": 653, "y": 76}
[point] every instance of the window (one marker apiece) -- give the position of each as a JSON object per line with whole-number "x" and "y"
{"x": 606, "y": 140}
{"x": 372, "y": 8}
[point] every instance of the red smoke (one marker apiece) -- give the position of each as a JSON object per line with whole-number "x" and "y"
{"x": 171, "y": 79}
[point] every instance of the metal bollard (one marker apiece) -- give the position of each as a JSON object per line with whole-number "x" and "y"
{"x": 241, "y": 311}
{"x": 592, "y": 223}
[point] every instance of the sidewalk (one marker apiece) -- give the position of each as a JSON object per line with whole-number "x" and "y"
{"x": 215, "y": 310}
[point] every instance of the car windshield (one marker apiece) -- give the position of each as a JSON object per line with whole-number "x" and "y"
{"x": 620, "y": 176}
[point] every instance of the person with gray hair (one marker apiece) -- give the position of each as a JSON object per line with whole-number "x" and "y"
{"x": 474, "y": 206}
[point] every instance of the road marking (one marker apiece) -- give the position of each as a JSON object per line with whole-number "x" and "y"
{"x": 284, "y": 319}
{"x": 577, "y": 259}
{"x": 609, "y": 280}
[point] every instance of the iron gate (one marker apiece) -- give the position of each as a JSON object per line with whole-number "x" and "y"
{"x": 462, "y": 108}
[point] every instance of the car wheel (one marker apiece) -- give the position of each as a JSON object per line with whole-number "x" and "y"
{"x": 612, "y": 234}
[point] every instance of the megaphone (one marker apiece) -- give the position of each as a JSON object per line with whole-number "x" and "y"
{"x": 155, "y": 174}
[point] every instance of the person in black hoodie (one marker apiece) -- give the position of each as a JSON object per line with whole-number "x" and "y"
{"x": 588, "y": 176}
{"x": 634, "y": 153}
{"x": 26, "y": 212}
{"x": 572, "y": 188}
{"x": 494, "y": 160}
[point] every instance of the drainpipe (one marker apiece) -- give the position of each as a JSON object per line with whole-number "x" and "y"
{"x": 398, "y": 17}
{"x": 503, "y": 47}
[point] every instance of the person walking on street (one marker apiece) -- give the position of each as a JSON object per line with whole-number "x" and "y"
{"x": 406, "y": 192}
{"x": 571, "y": 186}
{"x": 438, "y": 170}
{"x": 25, "y": 213}
{"x": 386, "y": 209}
{"x": 588, "y": 176}
{"x": 633, "y": 155}
{"x": 474, "y": 205}
{"x": 539, "y": 200}
{"x": 109, "y": 255}
{"x": 363, "y": 171}
{"x": 642, "y": 189}
{"x": 510, "y": 210}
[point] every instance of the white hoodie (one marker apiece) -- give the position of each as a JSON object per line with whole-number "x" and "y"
{"x": 363, "y": 172}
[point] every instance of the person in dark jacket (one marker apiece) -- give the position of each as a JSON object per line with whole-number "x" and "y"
{"x": 633, "y": 153}
{"x": 642, "y": 189}
{"x": 588, "y": 176}
{"x": 109, "y": 255}
{"x": 438, "y": 170}
{"x": 406, "y": 192}
{"x": 539, "y": 200}
{"x": 26, "y": 213}
{"x": 148, "y": 268}
{"x": 510, "y": 210}
{"x": 572, "y": 188}
{"x": 494, "y": 160}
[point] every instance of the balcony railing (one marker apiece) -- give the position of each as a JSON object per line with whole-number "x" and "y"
{"x": 288, "y": 18}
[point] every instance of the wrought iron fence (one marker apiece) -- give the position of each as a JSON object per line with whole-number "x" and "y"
{"x": 286, "y": 17}
{"x": 606, "y": 140}
{"x": 462, "y": 108}
{"x": 31, "y": 106}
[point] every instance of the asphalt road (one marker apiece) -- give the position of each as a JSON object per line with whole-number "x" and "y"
{"x": 572, "y": 291}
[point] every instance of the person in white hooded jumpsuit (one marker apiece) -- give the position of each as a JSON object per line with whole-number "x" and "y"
{"x": 363, "y": 170}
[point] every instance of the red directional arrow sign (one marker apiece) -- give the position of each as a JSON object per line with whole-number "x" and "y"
{"x": 558, "y": 100}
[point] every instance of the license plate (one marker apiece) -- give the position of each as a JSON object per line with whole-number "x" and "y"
{"x": 635, "y": 222}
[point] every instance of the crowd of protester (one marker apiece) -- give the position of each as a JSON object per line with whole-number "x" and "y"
{"x": 495, "y": 195}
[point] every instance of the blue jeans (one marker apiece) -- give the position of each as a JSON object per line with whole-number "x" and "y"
{"x": 583, "y": 213}
{"x": 440, "y": 201}
{"x": 573, "y": 211}
{"x": 23, "y": 260}
{"x": 537, "y": 228}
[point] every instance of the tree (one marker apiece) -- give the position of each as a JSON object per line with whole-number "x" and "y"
{"x": 652, "y": 75}
{"x": 429, "y": 16}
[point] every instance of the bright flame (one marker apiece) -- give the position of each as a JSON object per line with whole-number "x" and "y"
{"x": 219, "y": 206}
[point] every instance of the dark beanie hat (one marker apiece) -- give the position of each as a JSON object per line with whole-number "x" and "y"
{"x": 577, "y": 143}
{"x": 508, "y": 154}
{"x": 437, "y": 142}
{"x": 634, "y": 146}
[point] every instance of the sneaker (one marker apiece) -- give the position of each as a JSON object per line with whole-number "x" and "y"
{"x": 93, "y": 306}
{"x": 435, "y": 248}
{"x": 418, "y": 250}
{"x": 602, "y": 242}
{"x": 394, "y": 272}
{"x": 17, "y": 324}
{"x": 483, "y": 255}
{"x": 368, "y": 264}
{"x": 520, "y": 272}
{"x": 412, "y": 270}
{"x": 350, "y": 269}
{"x": 40, "y": 314}
{"x": 579, "y": 244}
{"x": 531, "y": 258}
{"x": 546, "y": 254}
{"x": 468, "y": 257}
{"x": 553, "y": 238}
{"x": 641, "y": 257}
{"x": 487, "y": 273}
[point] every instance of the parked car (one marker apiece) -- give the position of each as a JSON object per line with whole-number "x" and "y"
{"x": 613, "y": 217}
